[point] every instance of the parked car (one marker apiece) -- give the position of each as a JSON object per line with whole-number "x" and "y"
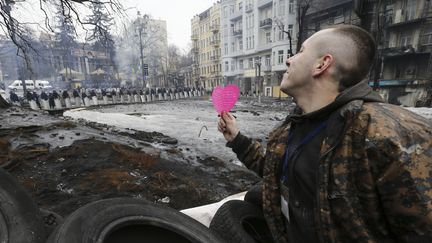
{"x": 30, "y": 85}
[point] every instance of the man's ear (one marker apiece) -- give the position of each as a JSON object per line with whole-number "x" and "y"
{"x": 323, "y": 64}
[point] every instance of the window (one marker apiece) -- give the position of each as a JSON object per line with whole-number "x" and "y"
{"x": 250, "y": 66}
{"x": 240, "y": 44}
{"x": 405, "y": 38}
{"x": 232, "y": 47}
{"x": 280, "y": 56}
{"x": 253, "y": 41}
{"x": 411, "y": 9}
{"x": 280, "y": 35}
{"x": 226, "y": 67}
{"x": 267, "y": 61}
{"x": 426, "y": 38}
{"x": 268, "y": 37}
{"x": 281, "y": 7}
{"x": 232, "y": 65}
{"x": 291, "y": 7}
{"x": 290, "y": 30}
{"x": 226, "y": 48}
{"x": 225, "y": 11}
{"x": 241, "y": 64}
{"x": 288, "y": 54}
{"x": 240, "y": 6}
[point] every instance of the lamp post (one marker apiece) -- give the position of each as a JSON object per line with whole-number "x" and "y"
{"x": 141, "y": 26}
{"x": 258, "y": 77}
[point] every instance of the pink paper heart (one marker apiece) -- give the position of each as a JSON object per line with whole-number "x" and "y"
{"x": 224, "y": 99}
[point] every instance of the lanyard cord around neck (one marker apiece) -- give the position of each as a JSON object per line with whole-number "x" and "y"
{"x": 292, "y": 149}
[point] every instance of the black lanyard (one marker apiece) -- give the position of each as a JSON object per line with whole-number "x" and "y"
{"x": 292, "y": 149}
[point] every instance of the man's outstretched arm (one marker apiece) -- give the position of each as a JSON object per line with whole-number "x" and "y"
{"x": 249, "y": 152}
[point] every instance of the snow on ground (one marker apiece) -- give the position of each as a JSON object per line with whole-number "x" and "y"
{"x": 422, "y": 111}
{"x": 192, "y": 122}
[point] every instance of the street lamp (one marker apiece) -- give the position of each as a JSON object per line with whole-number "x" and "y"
{"x": 141, "y": 26}
{"x": 258, "y": 77}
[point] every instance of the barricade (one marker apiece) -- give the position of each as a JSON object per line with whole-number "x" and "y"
{"x": 77, "y": 101}
{"x": 67, "y": 103}
{"x": 95, "y": 100}
{"x": 58, "y": 104}
{"x": 45, "y": 104}
{"x": 86, "y": 102}
{"x": 33, "y": 105}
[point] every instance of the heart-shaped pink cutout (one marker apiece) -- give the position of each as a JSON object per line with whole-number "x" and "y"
{"x": 224, "y": 99}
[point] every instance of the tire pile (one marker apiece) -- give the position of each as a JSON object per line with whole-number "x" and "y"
{"x": 112, "y": 220}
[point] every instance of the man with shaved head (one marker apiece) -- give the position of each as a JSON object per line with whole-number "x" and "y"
{"x": 344, "y": 166}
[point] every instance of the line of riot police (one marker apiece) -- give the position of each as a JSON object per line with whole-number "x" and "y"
{"x": 80, "y": 97}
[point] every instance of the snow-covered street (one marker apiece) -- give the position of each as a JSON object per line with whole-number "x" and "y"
{"x": 194, "y": 122}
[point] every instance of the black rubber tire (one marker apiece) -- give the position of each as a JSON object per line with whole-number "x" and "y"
{"x": 254, "y": 195}
{"x": 131, "y": 220}
{"x": 20, "y": 219}
{"x": 238, "y": 221}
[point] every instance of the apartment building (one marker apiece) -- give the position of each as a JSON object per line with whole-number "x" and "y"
{"x": 403, "y": 31}
{"x": 206, "y": 48}
{"x": 255, "y": 43}
{"x": 406, "y": 76}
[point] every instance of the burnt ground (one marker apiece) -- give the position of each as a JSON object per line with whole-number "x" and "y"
{"x": 65, "y": 165}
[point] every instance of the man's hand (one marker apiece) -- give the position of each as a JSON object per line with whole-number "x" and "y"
{"x": 227, "y": 126}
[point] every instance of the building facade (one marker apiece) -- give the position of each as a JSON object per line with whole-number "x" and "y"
{"x": 256, "y": 37}
{"x": 142, "y": 53}
{"x": 206, "y": 40}
{"x": 403, "y": 31}
{"x": 406, "y": 53}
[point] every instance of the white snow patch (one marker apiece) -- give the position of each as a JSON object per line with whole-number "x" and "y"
{"x": 422, "y": 111}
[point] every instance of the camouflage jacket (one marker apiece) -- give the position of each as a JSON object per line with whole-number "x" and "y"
{"x": 374, "y": 178}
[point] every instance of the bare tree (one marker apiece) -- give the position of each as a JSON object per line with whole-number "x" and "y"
{"x": 152, "y": 40}
{"x": 15, "y": 29}
{"x": 301, "y": 7}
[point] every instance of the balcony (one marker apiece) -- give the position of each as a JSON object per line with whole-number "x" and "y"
{"x": 249, "y": 8}
{"x": 401, "y": 18}
{"x": 399, "y": 51}
{"x": 264, "y": 3}
{"x": 237, "y": 33}
{"x": 266, "y": 23}
{"x": 214, "y": 28}
{"x": 236, "y": 15}
{"x": 215, "y": 42}
{"x": 215, "y": 58}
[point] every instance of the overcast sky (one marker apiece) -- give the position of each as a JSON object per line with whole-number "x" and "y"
{"x": 177, "y": 13}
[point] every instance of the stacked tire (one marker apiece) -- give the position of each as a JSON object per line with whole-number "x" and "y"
{"x": 239, "y": 221}
{"x": 115, "y": 220}
{"x": 130, "y": 220}
{"x": 20, "y": 218}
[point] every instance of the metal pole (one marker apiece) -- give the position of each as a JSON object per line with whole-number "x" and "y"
{"x": 142, "y": 57}
{"x": 259, "y": 79}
